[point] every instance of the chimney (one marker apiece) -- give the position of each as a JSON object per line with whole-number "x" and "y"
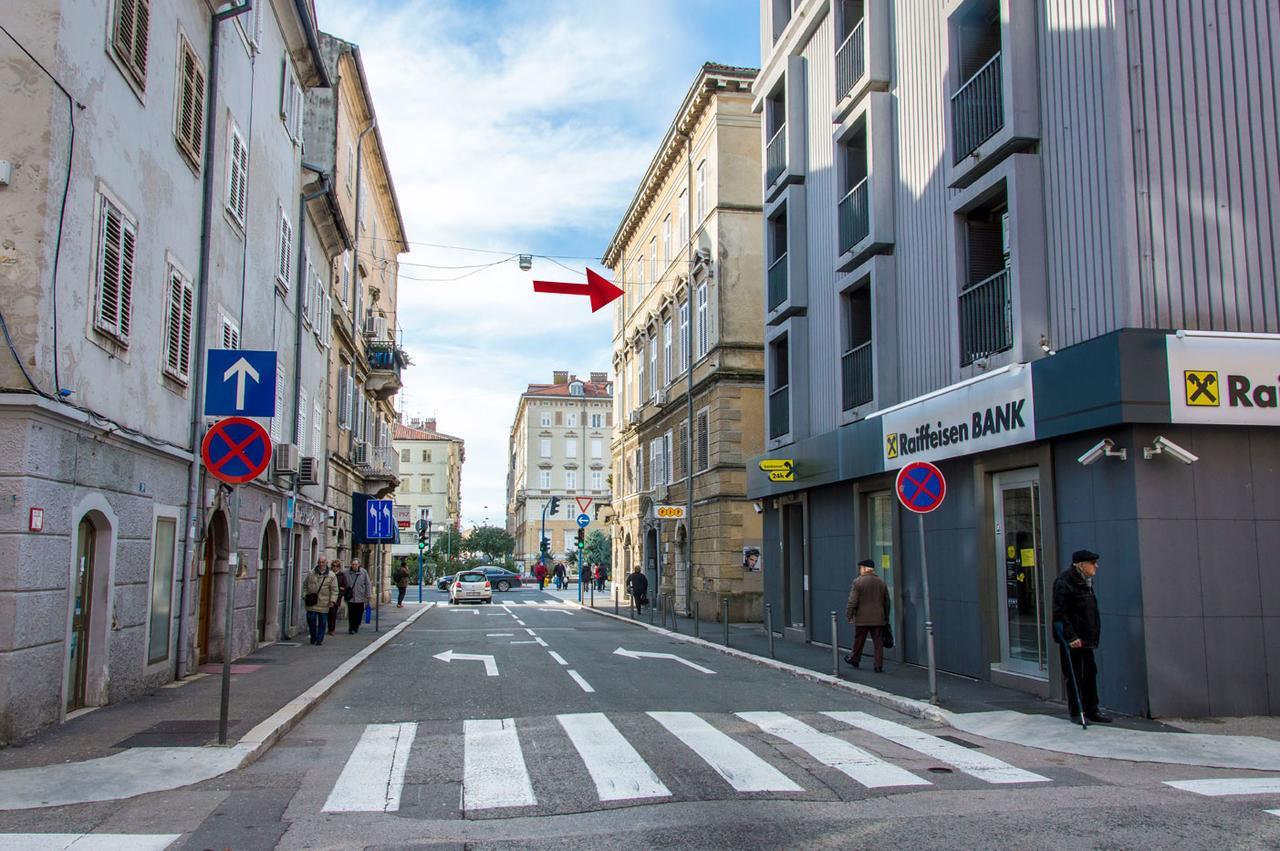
{"x": 560, "y": 376}
{"x": 429, "y": 424}
{"x": 415, "y": 422}
{"x": 599, "y": 377}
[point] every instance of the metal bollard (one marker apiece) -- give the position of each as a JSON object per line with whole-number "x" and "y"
{"x": 768, "y": 625}
{"x": 835, "y": 648}
{"x": 726, "y": 621}
{"x": 675, "y": 625}
{"x": 615, "y": 603}
{"x": 695, "y": 619}
{"x": 656, "y": 600}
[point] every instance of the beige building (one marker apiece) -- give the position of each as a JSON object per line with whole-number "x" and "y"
{"x": 687, "y": 347}
{"x": 559, "y": 446}
{"x": 430, "y": 481}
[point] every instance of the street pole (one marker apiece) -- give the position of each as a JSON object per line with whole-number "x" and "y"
{"x": 233, "y": 565}
{"x": 420, "y": 549}
{"x": 579, "y": 576}
{"x": 928, "y": 616}
{"x": 377, "y": 589}
{"x": 835, "y": 647}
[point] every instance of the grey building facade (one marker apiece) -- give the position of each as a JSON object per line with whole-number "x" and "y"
{"x": 1032, "y": 243}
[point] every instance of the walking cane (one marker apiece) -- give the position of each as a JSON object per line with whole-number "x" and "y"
{"x": 1071, "y": 667}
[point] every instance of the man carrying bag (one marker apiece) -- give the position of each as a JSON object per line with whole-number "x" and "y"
{"x": 868, "y": 611}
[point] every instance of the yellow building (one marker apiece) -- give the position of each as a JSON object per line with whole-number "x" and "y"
{"x": 688, "y": 348}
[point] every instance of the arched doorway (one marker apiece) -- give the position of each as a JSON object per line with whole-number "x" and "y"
{"x": 216, "y": 550}
{"x": 81, "y": 614}
{"x": 651, "y": 561}
{"x": 268, "y": 582}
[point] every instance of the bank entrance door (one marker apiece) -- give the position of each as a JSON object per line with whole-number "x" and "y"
{"x": 1024, "y": 611}
{"x": 793, "y": 577}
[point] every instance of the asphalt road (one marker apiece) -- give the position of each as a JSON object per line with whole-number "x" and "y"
{"x": 572, "y": 745}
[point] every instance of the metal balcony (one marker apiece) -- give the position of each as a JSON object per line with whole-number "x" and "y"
{"x": 977, "y": 109}
{"x": 380, "y": 466}
{"x": 779, "y": 412}
{"x": 776, "y": 156}
{"x": 986, "y": 318}
{"x": 854, "y": 216}
{"x": 386, "y": 361}
{"x": 777, "y": 279}
{"x": 851, "y": 61}
{"x": 856, "y": 379}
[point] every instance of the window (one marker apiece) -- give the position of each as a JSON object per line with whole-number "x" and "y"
{"x": 571, "y": 448}
{"x": 250, "y": 27}
{"x": 344, "y": 279}
{"x": 404, "y": 456}
{"x": 684, "y": 336}
{"x": 162, "y": 560}
{"x": 277, "y": 422}
{"x": 684, "y": 218}
{"x": 576, "y": 389}
{"x": 597, "y": 480}
{"x": 300, "y": 431}
{"x": 177, "y": 332}
{"x": 237, "y": 174}
{"x": 571, "y": 419}
{"x": 344, "y": 397}
{"x": 351, "y": 167}
{"x": 426, "y": 456}
{"x": 424, "y": 513}
{"x": 655, "y": 462}
{"x": 284, "y": 249}
{"x": 117, "y": 247}
{"x": 559, "y": 417}
{"x": 779, "y": 367}
{"x": 307, "y": 295}
{"x": 230, "y": 333}
{"x": 654, "y": 272}
{"x": 700, "y": 193}
{"x": 776, "y": 254}
{"x": 640, "y": 278}
{"x": 702, "y": 459}
{"x": 597, "y": 448}
{"x": 639, "y": 467}
{"x": 666, "y": 240}
{"x": 653, "y": 366}
{"x": 290, "y": 101}
{"x": 544, "y": 480}
{"x": 666, "y": 350}
{"x": 129, "y": 37}
{"x": 544, "y": 448}
{"x": 188, "y": 125}
{"x": 854, "y": 211}
{"x": 702, "y": 320}
{"x": 424, "y": 484}
{"x": 855, "y": 361}
{"x": 317, "y": 430}
{"x": 682, "y": 461}
{"x": 571, "y": 480}
{"x": 546, "y": 419}
{"x": 775, "y": 123}
{"x": 642, "y": 382}
{"x": 666, "y": 458}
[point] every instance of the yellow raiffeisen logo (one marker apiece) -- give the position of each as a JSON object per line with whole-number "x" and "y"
{"x": 891, "y": 446}
{"x": 1201, "y": 386}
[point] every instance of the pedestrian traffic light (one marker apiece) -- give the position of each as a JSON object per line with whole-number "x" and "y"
{"x": 582, "y": 539}
{"x": 545, "y": 547}
{"x": 422, "y": 539}
{"x": 555, "y": 505}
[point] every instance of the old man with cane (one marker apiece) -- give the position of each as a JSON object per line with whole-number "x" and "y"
{"x": 1077, "y": 628}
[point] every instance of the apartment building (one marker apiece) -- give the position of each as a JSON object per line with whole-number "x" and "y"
{"x": 558, "y": 446}
{"x": 150, "y": 216}
{"x": 430, "y": 481}
{"x": 688, "y": 348}
{"x": 366, "y": 360}
{"x": 1029, "y": 241}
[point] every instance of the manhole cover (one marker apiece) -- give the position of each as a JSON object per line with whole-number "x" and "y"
{"x": 938, "y": 769}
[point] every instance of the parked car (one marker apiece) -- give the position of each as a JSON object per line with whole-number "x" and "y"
{"x": 470, "y": 585}
{"x": 500, "y": 578}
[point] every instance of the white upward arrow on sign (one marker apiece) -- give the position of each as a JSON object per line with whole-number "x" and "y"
{"x": 490, "y": 666}
{"x": 638, "y": 654}
{"x": 241, "y": 369}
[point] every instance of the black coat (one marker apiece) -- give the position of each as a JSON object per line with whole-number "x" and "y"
{"x": 637, "y": 585}
{"x": 1075, "y": 608}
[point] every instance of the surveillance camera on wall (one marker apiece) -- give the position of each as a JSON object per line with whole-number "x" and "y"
{"x": 758, "y": 506}
{"x": 1104, "y": 448}
{"x": 1164, "y": 446}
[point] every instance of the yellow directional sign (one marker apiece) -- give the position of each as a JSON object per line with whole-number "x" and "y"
{"x": 779, "y": 469}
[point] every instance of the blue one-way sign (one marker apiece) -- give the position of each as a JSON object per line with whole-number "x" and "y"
{"x": 240, "y": 382}
{"x": 380, "y": 523}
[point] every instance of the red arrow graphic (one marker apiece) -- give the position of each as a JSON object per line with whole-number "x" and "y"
{"x": 601, "y": 291}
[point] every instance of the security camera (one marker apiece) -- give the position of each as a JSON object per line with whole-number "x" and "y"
{"x": 1104, "y": 448}
{"x": 758, "y": 506}
{"x": 1164, "y": 446}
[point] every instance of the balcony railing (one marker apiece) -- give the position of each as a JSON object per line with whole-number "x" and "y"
{"x": 851, "y": 61}
{"x": 858, "y": 386}
{"x": 986, "y": 318}
{"x": 386, "y": 360}
{"x": 776, "y": 156}
{"x": 377, "y": 462}
{"x": 777, "y": 281}
{"x": 855, "y": 217}
{"x": 779, "y": 412}
{"x": 977, "y": 109}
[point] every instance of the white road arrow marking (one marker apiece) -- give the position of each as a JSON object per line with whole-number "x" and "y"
{"x": 241, "y": 369}
{"x": 638, "y": 654}
{"x": 490, "y": 666}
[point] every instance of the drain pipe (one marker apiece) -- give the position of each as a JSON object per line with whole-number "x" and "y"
{"x": 355, "y": 279}
{"x": 688, "y": 387}
{"x": 202, "y": 302}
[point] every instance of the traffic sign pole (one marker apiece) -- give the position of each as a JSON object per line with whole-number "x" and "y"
{"x": 928, "y": 616}
{"x": 229, "y": 624}
{"x": 921, "y": 488}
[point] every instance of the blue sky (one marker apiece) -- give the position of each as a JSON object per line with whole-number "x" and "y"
{"x": 518, "y": 127}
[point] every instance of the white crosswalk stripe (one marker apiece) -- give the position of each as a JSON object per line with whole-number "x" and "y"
{"x": 87, "y": 841}
{"x": 732, "y": 760}
{"x": 1220, "y": 786}
{"x": 971, "y": 762}
{"x": 620, "y": 774}
{"x": 373, "y": 777}
{"x": 493, "y": 772}
{"x": 869, "y": 770}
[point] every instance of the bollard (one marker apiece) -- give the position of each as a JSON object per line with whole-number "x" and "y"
{"x": 726, "y": 621}
{"x": 835, "y": 648}
{"x": 615, "y": 602}
{"x": 695, "y": 619}
{"x": 768, "y": 625}
{"x": 657, "y": 599}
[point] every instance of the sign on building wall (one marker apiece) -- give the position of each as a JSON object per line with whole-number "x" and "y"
{"x": 1224, "y": 379}
{"x": 984, "y": 413}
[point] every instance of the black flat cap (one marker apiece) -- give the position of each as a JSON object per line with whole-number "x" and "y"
{"x": 866, "y": 562}
{"x": 1083, "y": 555}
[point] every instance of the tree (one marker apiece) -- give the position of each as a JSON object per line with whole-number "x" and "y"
{"x": 494, "y": 543}
{"x": 599, "y": 549}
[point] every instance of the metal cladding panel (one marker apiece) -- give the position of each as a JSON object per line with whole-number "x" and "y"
{"x": 1206, "y": 169}
{"x": 926, "y": 299}
{"x": 821, "y": 200}
{"x": 1083, "y": 218}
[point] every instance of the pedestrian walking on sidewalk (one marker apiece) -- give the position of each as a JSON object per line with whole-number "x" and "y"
{"x": 540, "y": 571}
{"x": 1077, "y": 628}
{"x": 358, "y": 594}
{"x": 638, "y": 588}
{"x": 319, "y": 593}
{"x": 868, "y": 611}
{"x": 559, "y": 574}
{"x": 400, "y": 576}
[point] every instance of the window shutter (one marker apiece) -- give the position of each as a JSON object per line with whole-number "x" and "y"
{"x": 682, "y": 464}
{"x": 133, "y": 26}
{"x": 286, "y": 250}
{"x": 307, "y": 294}
{"x": 230, "y": 334}
{"x": 344, "y": 398}
{"x": 238, "y": 176}
{"x": 300, "y": 431}
{"x": 117, "y": 240}
{"x": 317, "y": 431}
{"x": 178, "y": 327}
{"x": 703, "y": 443}
{"x": 190, "y": 129}
{"x": 277, "y": 422}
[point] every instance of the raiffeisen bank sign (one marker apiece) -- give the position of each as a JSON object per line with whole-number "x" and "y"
{"x": 983, "y": 413}
{"x": 1224, "y": 379}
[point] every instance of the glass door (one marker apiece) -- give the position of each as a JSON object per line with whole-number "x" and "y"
{"x": 880, "y": 541}
{"x": 1023, "y": 608}
{"x": 80, "y": 616}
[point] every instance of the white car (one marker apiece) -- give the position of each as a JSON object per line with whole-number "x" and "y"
{"x": 470, "y": 586}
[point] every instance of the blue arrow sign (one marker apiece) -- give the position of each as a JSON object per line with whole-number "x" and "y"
{"x": 380, "y": 522}
{"x": 240, "y": 382}
{"x": 584, "y": 520}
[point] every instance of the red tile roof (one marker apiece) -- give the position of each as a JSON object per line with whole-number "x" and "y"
{"x": 590, "y": 390}
{"x": 404, "y": 432}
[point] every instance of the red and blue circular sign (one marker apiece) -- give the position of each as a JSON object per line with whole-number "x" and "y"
{"x": 236, "y": 450}
{"x": 921, "y": 487}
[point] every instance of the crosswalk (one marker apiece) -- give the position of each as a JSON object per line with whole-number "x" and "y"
{"x": 1218, "y": 787}
{"x": 750, "y": 752}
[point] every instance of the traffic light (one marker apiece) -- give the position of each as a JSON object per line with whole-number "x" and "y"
{"x": 424, "y": 534}
{"x": 555, "y": 505}
{"x": 582, "y": 538}
{"x": 545, "y": 547}
{"x": 422, "y": 540}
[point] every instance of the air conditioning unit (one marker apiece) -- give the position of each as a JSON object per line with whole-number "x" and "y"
{"x": 309, "y": 471}
{"x": 360, "y": 453}
{"x": 660, "y": 398}
{"x": 284, "y": 460}
{"x": 375, "y": 327}
{"x": 633, "y": 418}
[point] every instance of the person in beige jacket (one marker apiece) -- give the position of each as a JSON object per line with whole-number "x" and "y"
{"x": 320, "y": 591}
{"x": 868, "y": 611}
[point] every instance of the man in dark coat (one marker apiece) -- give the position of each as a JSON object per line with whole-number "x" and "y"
{"x": 868, "y": 611}
{"x": 638, "y": 588}
{"x": 1077, "y": 628}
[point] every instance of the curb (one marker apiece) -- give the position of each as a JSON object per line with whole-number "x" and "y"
{"x": 905, "y": 705}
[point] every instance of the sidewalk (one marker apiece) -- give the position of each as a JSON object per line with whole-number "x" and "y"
{"x": 168, "y": 739}
{"x": 989, "y": 710}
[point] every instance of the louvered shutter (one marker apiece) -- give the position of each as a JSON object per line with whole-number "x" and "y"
{"x": 132, "y": 30}
{"x": 191, "y": 104}
{"x": 344, "y": 399}
{"x": 178, "y": 327}
{"x": 307, "y": 293}
{"x": 277, "y": 421}
{"x": 703, "y": 443}
{"x": 117, "y": 243}
{"x": 237, "y": 175}
{"x": 682, "y": 461}
{"x": 230, "y": 334}
{"x": 286, "y": 250}
{"x": 300, "y": 430}
{"x": 317, "y": 426}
